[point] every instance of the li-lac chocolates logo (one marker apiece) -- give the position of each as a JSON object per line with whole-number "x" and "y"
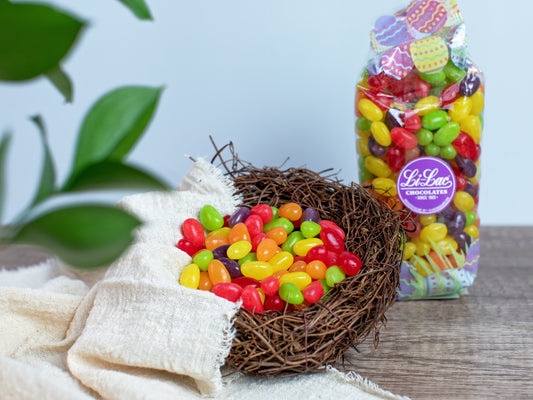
{"x": 426, "y": 185}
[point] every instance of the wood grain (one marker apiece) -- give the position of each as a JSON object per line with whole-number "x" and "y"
{"x": 477, "y": 347}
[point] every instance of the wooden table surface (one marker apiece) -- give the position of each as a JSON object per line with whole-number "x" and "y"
{"x": 477, "y": 347}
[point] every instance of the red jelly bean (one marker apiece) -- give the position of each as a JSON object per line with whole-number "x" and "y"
{"x": 274, "y": 303}
{"x": 412, "y": 121}
{"x": 460, "y": 180}
{"x": 313, "y": 292}
{"x": 332, "y": 258}
{"x": 258, "y": 239}
{"x": 264, "y": 211}
{"x": 403, "y": 138}
{"x": 332, "y": 240}
{"x": 187, "y": 246}
{"x": 412, "y": 228}
{"x": 244, "y": 281}
{"x": 227, "y": 290}
{"x": 254, "y": 223}
{"x": 226, "y": 220}
{"x": 465, "y": 145}
{"x": 422, "y": 88}
{"x": 478, "y": 153}
{"x": 380, "y": 99}
{"x": 270, "y": 285}
{"x": 251, "y": 300}
{"x": 325, "y": 224}
{"x": 193, "y": 230}
{"x": 350, "y": 263}
{"x": 449, "y": 95}
{"x": 379, "y": 81}
{"x": 319, "y": 252}
{"x": 395, "y": 157}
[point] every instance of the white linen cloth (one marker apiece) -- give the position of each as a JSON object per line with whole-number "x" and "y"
{"x": 130, "y": 331}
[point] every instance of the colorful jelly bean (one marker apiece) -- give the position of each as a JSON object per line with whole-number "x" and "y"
{"x": 227, "y": 290}
{"x": 239, "y": 216}
{"x": 290, "y": 211}
{"x": 313, "y": 292}
{"x": 370, "y": 110}
{"x": 403, "y": 138}
{"x": 303, "y": 246}
{"x": 281, "y": 260}
{"x": 193, "y": 231}
{"x": 381, "y": 133}
{"x": 334, "y": 275}
{"x": 218, "y": 272}
{"x": 264, "y": 211}
{"x": 210, "y": 218}
{"x": 251, "y": 300}
{"x": 258, "y": 270}
{"x": 350, "y": 263}
{"x": 290, "y": 293}
{"x": 190, "y": 276}
{"x": 239, "y": 249}
{"x": 202, "y": 259}
{"x": 300, "y": 279}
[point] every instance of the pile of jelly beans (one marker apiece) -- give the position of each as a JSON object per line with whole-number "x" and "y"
{"x": 438, "y": 115}
{"x": 268, "y": 258}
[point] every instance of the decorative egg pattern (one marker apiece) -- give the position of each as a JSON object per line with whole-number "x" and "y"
{"x": 397, "y": 61}
{"x": 430, "y": 54}
{"x": 391, "y": 31}
{"x": 426, "y": 16}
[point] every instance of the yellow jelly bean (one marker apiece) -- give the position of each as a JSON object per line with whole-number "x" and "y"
{"x": 410, "y": 249}
{"x": 239, "y": 249}
{"x": 427, "y": 219}
{"x": 300, "y": 279}
{"x": 435, "y": 231}
{"x": 426, "y": 105}
{"x": 446, "y": 246}
{"x": 422, "y": 267}
{"x": 302, "y": 247}
{"x": 385, "y": 186}
{"x": 222, "y": 232}
{"x": 363, "y": 134}
{"x": 377, "y": 166}
{"x": 422, "y": 248}
{"x": 472, "y": 231}
{"x": 463, "y": 201}
{"x": 369, "y": 110}
{"x": 362, "y": 147}
{"x": 282, "y": 260}
{"x": 257, "y": 269}
{"x": 478, "y": 102}
{"x": 472, "y": 125}
{"x": 381, "y": 133}
{"x": 190, "y": 276}
{"x": 460, "y": 109}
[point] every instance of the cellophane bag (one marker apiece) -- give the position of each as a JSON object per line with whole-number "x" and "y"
{"x": 419, "y": 108}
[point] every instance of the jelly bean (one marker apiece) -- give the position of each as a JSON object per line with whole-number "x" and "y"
{"x": 257, "y": 269}
{"x": 300, "y": 279}
{"x": 334, "y": 275}
{"x": 266, "y": 249}
{"x": 239, "y": 216}
{"x": 274, "y": 212}
{"x": 298, "y": 266}
{"x": 249, "y": 257}
{"x": 434, "y": 78}
{"x": 202, "y": 259}
{"x": 447, "y": 134}
{"x": 292, "y": 239}
{"x": 412, "y": 121}
{"x": 435, "y": 232}
{"x": 380, "y": 99}
{"x": 227, "y": 290}
{"x": 270, "y": 285}
{"x": 385, "y": 186}
{"x": 350, "y": 263}
{"x": 278, "y": 234}
{"x": 463, "y": 201}
{"x": 410, "y": 249}
{"x": 471, "y": 217}
{"x": 239, "y": 249}
{"x": 244, "y": 281}
{"x": 290, "y": 211}
{"x": 460, "y": 180}
{"x": 465, "y": 145}
{"x": 332, "y": 240}
{"x": 317, "y": 253}
{"x": 239, "y": 232}
{"x": 264, "y": 211}
{"x": 471, "y": 189}
{"x": 421, "y": 88}
{"x": 478, "y": 103}
{"x": 303, "y": 246}
{"x": 313, "y": 292}
{"x": 193, "y": 231}
{"x": 369, "y": 110}
{"x": 274, "y": 303}
{"x": 463, "y": 240}
{"x": 469, "y": 85}
{"x": 281, "y": 260}
{"x": 432, "y": 150}
{"x": 310, "y": 229}
{"x": 422, "y": 248}
{"x": 453, "y": 73}
{"x": 254, "y": 223}
{"x": 332, "y": 258}
{"x": 232, "y": 266}
{"x": 472, "y": 125}
{"x": 212, "y": 242}
{"x": 258, "y": 239}
{"x": 422, "y": 267}
{"x": 426, "y": 105}
{"x": 449, "y": 94}
{"x": 187, "y": 246}
{"x": 380, "y": 134}
{"x": 290, "y": 293}
{"x": 310, "y": 214}
{"x": 222, "y": 232}
{"x": 210, "y": 218}
{"x": 393, "y": 119}
{"x": 362, "y": 124}
{"x": 277, "y": 222}
{"x": 251, "y": 300}
{"x": 190, "y": 276}
{"x": 262, "y": 295}
{"x": 226, "y": 221}
{"x": 362, "y": 147}
{"x": 446, "y": 246}
{"x": 411, "y": 154}
{"x": 316, "y": 269}
{"x": 448, "y": 152}
{"x": 403, "y": 138}
{"x": 205, "y": 283}
{"x": 466, "y": 166}
{"x": 457, "y": 223}
{"x": 327, "y": 224}
{"x": 377, "y": 166}
{"x": 395, "y": 158}
{"x": 472, "y": 230}
{"x": 375, "y": 148}
{"x": 434, "y": 120}
{"x": 427, "y": 219}
{"x": 378, "y": 81}
{"x": 460, "y": 109}
{"x": 218, "y": 272}
{"x": 221, "y": 251}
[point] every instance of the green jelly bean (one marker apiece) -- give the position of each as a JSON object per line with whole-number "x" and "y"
{"x": 453, "y": 73}
{"x": 424, "y": 137}
{"x": 249, "y": 257}
{"x": 326, "y": 289}
{"x": 363, "y": 124}
{"x": 202, "y": 259}
{"x": 291, "y": 240}
{"x": 334, "y": 275}
{"x": 434, "y": 78}
{"x": 274, "y": 212}
{"x": 210, "y": 218}
{"x": 283, "y": 222}
{"x": 434, "y": 120}
{"x": 432, "y": 150}
{"x": 447, "y": 134}
{"x": 471, "y": 217}
{"x": 448, "y": 152}
{"x": 310, "y": 229}
{"x": 365, "y": 175}
{"x": 290, "y": 293}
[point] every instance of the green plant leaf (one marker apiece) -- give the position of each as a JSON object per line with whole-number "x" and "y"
{"x": 48, "y": 173}
{"x": 4, "y": 145}
{"x": 33, "y": 39}
{"x": 61, "y": 81}
{"x": 138, "y": 7}
{"x": 109, "y": 175}
{"x": 84, "y": 236}
{"x": 114, "y": 124}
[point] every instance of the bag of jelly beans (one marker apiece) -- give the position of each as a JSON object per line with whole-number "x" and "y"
{"x": 419, "y": 108}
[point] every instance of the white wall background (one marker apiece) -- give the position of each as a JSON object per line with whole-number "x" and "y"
{"x": 277, "y": 78}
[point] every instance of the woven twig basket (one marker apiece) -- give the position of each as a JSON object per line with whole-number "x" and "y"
{"x": 278, "y": 344}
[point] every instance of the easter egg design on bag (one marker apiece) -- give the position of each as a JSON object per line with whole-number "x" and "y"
{"x": 429, "y": 55}
{"x": 426, "y": 16}
{"x": 397, "y": 61}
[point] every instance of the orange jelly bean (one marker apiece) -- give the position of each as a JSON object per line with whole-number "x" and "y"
{"x": 316, "y": 269}
{"x": 239, "y": 233}
{"x": 279, "y": 273}
{"x": 291, "y": 211}
{"x": 218, "y": 272}
{"x": 278, "y": 234}
{"x": 298, "y": 266}
{"x": 212, "y": 242}
{"x": 205, "y": 281}
{"x": 266, "y": 249}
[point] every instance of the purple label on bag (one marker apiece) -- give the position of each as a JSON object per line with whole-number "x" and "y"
{"x": 426, "y": 185}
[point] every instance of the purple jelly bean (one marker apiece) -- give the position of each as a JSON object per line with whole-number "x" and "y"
{"x": 310, "y": 214}
{"x": 233, "y": 267}
{"x": 463, "y": 240}
{"x": 471, "y": 189}
{"x": 393, "y": 118}
{"x": 469, "y": 85}
{"x": 221, "y": 251}
{"x": 239, "y": 216}
{"x": 375, "y": 148}
{"x": 466, "y": 165}
{"x": 457, "y": 223}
